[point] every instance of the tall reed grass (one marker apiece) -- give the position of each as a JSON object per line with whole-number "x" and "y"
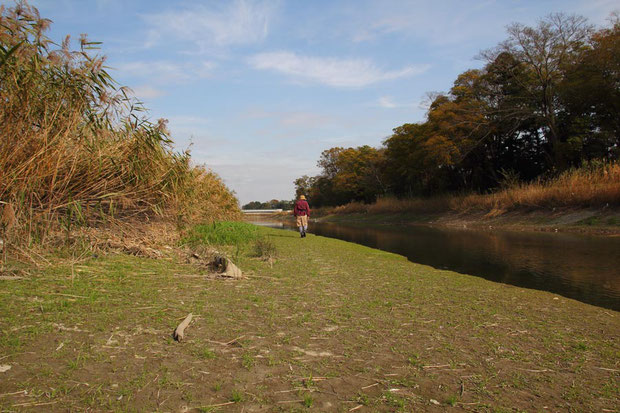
{"x": 75, "y": 148}
{"x": 593, "y": 185}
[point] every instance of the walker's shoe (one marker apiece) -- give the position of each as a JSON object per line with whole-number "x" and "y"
{"x": 303, "y": 234}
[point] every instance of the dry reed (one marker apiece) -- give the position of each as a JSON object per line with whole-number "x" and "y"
{"x": 75, "y": 148}
{"x": 593, "y": 185}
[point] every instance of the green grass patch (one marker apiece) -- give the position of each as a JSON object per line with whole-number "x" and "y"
{"x": 222, "y": 233}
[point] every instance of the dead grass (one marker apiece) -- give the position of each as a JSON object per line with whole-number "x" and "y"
{"x": 595, "y": 185}
{"x": 76, "y": 149}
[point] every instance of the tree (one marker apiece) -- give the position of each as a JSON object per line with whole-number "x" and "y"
{"x": 591, "y": 92}
{"x": 303, "y": 185}
{"x": 545, "y": 51}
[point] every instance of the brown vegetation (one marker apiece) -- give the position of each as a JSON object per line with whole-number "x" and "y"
{"x": 592, "y": 186}
{"x": 75, "y": 149}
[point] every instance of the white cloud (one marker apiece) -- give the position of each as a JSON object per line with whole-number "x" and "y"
{"x": 165, "y": 71}
{"x": 219, "y": 24}
{"x": 290, "y": 119}
{"x": 330, "y": 71}
{"x": 261, "y": 176}
{"x": 147, "y": 92}
{"x": 386, "y": 102}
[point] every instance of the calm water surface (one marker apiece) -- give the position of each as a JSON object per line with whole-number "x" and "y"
{"x": 586, "y": 268}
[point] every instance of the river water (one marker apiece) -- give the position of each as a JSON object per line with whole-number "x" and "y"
{"x": 585, "y": 268}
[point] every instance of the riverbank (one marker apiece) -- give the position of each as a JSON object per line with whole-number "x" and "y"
{"x": 328, "y": 326}
{"x": 600, "y": 221}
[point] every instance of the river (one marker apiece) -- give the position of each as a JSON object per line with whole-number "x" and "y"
{"x": 582, "y": 267}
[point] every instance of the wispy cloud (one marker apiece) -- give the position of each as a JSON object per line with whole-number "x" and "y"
{"x": 388, "y": 102}
{"x": 291, "y": 119}
{"x": 165, "y": 71}
{"x": 219, "y": 24}
{"x": 147, "y": 92}
{"x": 353, "y": 73}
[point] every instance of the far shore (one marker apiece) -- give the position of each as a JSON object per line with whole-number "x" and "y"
{"x": 594, "y": 221}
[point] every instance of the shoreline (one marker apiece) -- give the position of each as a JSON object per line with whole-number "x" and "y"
{"x": 599, "y": 221}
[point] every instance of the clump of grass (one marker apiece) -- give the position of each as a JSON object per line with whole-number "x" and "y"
{"x": 236, "y": 396}
{"x": 76, "y": 148}
{"x": 247, "y": 361}
{"x": 222, "y": 233}
{"x": 452, "y": 400}
{"x": 308, "y": 401}
{"x": 205, "y": 353}
{"x": 265, "y": 249}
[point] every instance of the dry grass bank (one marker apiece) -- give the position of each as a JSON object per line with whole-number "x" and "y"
{"x": 586, "y": 187}
{"x": 77, "y": 150}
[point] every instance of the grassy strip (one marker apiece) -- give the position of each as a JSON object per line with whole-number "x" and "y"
{"x": 330, "y": 326}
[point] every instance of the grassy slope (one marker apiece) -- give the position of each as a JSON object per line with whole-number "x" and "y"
{"x": 331, "y": 325}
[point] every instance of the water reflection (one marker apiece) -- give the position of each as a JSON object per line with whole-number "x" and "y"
{"x": 585, "y": 268}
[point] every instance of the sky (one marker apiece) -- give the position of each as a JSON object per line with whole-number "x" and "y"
{"x": 258, "y": 89}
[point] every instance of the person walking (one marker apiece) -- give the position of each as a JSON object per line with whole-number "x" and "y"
{"x": 302, "y": 213}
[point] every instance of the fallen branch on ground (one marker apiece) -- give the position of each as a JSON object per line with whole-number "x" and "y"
{"x": 179, "y": 331}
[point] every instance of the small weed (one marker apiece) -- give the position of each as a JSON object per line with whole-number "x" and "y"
{"x": 451, "y": 400}
{"x": 580, "y": 346}
{"x": 308, "y": 401}
{"x": 205, "y": 353}
{"x": 236, "y": 396}
{"x": 414, "y": 360}
{"x": 393, "y": 400}
{"x": 362, "y": 398}
{"x": 308, "y": 383}
{"x": 271, "y": 361}
{"x": 265, "y": 249}
{"x": 217, "y": 386}
{"x": 247, "y": 361}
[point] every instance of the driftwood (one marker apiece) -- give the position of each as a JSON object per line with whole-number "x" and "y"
{"x": 179, "y": 331}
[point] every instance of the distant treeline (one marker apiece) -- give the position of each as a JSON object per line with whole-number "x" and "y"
{"x": 547, "y": 100}
{"x": 273, "y": 204}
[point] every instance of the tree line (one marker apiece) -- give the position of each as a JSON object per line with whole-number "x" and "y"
{"x": 273, "y": 204}
{"x": 547, "y": 99}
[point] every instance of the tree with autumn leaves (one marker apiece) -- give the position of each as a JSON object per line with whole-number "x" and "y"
{"x": 547, "y": 99}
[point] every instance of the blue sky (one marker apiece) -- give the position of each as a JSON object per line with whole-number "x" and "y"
{"x": 261, "y": 88}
